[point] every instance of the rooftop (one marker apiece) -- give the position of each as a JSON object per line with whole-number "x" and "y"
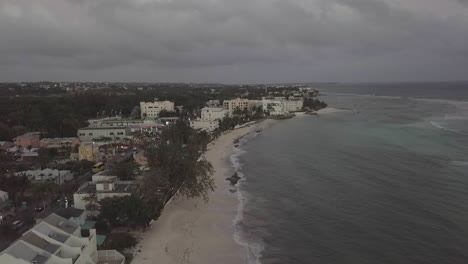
{"x": 33, "y": 239}
{"x": 103, "y": 128}
{"x": 61, "y": 223}
{"x": 119, "y": 187}
{"x": 69, "y": 212}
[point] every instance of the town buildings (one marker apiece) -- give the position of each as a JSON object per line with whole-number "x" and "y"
{"x": 205, "y": 125}
{"x": 232, "y": 105}
{"x": 113, "y": 133}
{"x": 57, "y": 143}
{"x": 152, "y": 109}
{"x": 28, "y": 140}
{"x": 102, "y": 188}
{"x": 293, "y": 105}
{"x": 88, "y": 151}
{"x": 213, "y": 103}
{"x": 58, "y": 177}
{"x": 213, "y": 113}
{"x": 277, "y": 106}
{"x": 56, "y": 240}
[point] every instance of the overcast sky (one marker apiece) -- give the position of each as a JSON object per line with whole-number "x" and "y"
{"x": 234, "y": 41}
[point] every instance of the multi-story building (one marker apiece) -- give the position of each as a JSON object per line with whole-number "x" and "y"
{"x": 280, "y": 105}
{"x": 212, "y": 113}
{"x": 90, "y": 134}
{"x": 232, "y": 105}
{"x": 293, "y": 104}
{"x": 152, "y": 109}
{"x": 57, "y": 143}
{"x": 103, "y": 188}
{"x": 27, "y": 140}
{"x": 273, "y": 105}
{"x": 56, "y": 240}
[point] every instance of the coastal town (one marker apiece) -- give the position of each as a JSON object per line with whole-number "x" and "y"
{"x": 86, "y": 168}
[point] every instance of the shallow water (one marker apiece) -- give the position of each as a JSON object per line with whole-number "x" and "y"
{"x": 386, "y": 182}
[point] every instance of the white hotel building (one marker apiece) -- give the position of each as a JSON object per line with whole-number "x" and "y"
{"x": 56, "y": 240}
{"x": 232, "y": 105}
{"x": 213, "y": 113}
{"x": 209, "y": 120}
{"x": 152, "y": 109}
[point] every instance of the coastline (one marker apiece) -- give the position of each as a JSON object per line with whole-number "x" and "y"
{"x": 192, "y": 231}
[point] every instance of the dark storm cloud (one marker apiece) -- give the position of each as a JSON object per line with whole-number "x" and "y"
{"x": 230, "y": 41}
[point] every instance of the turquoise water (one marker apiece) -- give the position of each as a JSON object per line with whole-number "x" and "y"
{"x": 385, "y": 182}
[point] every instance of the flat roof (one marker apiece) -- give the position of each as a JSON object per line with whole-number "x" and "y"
{"x": 103, "y": 128}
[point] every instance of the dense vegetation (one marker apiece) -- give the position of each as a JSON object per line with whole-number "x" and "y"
{"x": 177, "y": 168}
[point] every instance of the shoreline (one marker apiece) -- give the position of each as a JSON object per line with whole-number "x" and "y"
{"x": 192, "y": 231}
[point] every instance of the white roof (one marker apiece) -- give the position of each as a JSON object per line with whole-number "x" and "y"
{"x": 2, "y": 193}
{"x": 44, "y": 172}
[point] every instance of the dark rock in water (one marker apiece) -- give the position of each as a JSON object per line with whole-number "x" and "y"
{"x": 237, "y": 145}
{"x": 233, "y": 190}
{"x": 234, "y": 178}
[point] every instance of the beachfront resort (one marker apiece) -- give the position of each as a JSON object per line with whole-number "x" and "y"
{"x": 97, "y": 197}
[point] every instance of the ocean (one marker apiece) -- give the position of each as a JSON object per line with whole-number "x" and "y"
{"x": 383, "y": 182}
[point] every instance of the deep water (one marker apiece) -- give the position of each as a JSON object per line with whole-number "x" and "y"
{"x": 384, "y": 182}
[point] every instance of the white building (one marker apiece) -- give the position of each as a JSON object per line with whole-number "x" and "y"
{"x": 213, "y": 103}
{"x": 274, "y": 106}
{"x": 56, "y": 240}
{"x": 152, "y": 109}
{"x": 90, "y": 134}
{"x": 212, "y": 113}
{"x": 205, "y": 125}
{"x": 280, "y": 105}
{"x": 69, "y": 142}
{"x": 103, "y": 188}
{"x": 293, "y": 105}
{"x": 3, "y": 196}
{"x": 232, "y": 105}
{"x": 47, "y": 175}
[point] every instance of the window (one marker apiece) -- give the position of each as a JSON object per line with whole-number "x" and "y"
{"x": 120, "y": 133}
{"x": 90, "y": 134}
{"x": 82, "y": 134}
{"x": 111, "y": 133}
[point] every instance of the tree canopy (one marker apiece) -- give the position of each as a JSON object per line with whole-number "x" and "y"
{"x": 178, "y": 159}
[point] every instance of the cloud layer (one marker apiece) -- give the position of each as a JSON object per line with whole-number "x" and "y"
{"x": 234, "y": 40}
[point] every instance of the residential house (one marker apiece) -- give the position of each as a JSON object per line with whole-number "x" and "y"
{"x": 28, "y": 140}
{"x": 103, "y": 188}
{"x": 5, "y": 145}
{"x": 213, "y": 103}
{"x": 47, "y": 175}
{"x": 58, "y": 143}
{"x": 57, "y": 240}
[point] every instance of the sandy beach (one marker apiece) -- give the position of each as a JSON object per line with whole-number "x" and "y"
{"x": 192, "y": 231}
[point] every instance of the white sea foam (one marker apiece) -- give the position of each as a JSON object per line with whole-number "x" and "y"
{"x": 439, "y": 126}
{"x": 253, "y": 246}
{"x": 460, "y": 163}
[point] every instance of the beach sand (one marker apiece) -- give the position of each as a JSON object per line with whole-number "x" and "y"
{"x": 192, "y": 231}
